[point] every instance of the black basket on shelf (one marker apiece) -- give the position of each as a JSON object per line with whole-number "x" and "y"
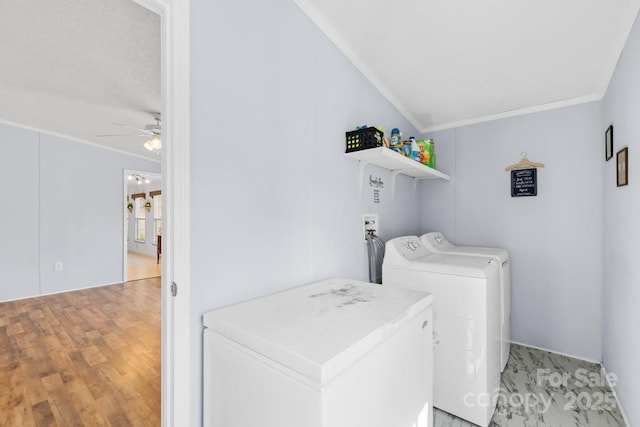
{"x": 363, "y": 139}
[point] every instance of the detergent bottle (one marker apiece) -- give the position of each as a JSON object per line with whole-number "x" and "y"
{"x": 415, "y": 149}
{"x": 396, "y": 140}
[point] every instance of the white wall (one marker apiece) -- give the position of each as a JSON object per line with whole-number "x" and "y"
{"x": 621, "y": 295}
{"x": 66, "y": 206}
{"x": 275, "y": 201}
{"x": 554, "y": 238}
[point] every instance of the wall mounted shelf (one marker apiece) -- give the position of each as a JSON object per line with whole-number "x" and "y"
{"x": 397, "y": 164}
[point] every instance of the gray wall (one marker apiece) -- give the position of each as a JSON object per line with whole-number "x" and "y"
{"x": 275, "y": 201}
{"x": 621, "y": 295}
{"x": 20, "y": 215}
{"x": 554, "y": 238}
{"x": 63, "y": 202}
{"x": 438, "y": 207}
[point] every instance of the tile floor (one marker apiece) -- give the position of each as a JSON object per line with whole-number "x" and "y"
{"x": 543, "y": 389}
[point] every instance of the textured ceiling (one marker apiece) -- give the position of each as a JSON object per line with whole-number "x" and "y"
{"x": 75, "y": 67}
{"x": 446, "y": 63}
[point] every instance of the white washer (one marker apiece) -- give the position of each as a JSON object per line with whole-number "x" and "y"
{"x": 436, "y": 242}
{"x": 337, "y": 353}
{"x": 466, "y": 293}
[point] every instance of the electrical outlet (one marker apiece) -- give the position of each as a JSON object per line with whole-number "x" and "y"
{"x": 370, "y": 223}
{"x": 58, "y": 266}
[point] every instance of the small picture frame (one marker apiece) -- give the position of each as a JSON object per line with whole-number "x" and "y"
{"x": 608, "y": 143}
{"x": 622, "y": 175}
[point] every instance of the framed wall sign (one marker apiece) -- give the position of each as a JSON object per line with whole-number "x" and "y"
{"x": 524, "y": 182}
{"x": 623, "y": 167}
{"x": 608, "y": 143}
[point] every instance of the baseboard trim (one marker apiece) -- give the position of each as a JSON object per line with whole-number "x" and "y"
{"x": 143, "y": 278}
{"x": 62, "y": 292}
{"x": 615, "y": 395}
{"x": 557, "y": 352}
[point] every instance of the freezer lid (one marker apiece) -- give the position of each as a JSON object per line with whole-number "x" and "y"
{"x": 319, "y": 330}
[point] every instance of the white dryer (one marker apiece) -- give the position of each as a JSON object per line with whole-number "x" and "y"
{"x": 436, "y": 242}
{"x": 465, "y": 323}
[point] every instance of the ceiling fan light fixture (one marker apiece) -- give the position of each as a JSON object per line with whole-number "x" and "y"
{"x": 154, "y": 143}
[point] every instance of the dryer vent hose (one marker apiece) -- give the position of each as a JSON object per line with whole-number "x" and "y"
{"x": 375, "y": 247}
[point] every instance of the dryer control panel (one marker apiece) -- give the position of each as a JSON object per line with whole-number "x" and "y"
{"x": 436, "y": 241}
{"x": 405, "y": 249}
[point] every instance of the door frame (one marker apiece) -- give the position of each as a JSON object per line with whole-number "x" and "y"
{"x": 176, "y": 330}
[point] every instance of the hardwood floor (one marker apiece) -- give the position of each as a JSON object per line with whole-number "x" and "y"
{"x": 89, "y": 357}
{"x": 141, "y": 266}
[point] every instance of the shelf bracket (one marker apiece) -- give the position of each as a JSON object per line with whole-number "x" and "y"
{"x": 394, "y": 175}
{"x": 363, "y": 165}
{"x": 415, "y": 187}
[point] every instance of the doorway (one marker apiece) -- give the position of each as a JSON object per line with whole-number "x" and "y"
{"x": 175, "y": 36}
{"x": 142, "y": 251}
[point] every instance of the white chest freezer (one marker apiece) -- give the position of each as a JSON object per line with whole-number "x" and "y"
{"x": 337, "y": 353}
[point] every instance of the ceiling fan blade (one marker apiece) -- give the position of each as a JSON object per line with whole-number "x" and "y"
{"x": 119, "y": 134}
{"x": 134, "y": 128}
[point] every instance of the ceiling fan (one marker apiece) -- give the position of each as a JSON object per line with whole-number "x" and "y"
{"x": 152, "y": 132}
